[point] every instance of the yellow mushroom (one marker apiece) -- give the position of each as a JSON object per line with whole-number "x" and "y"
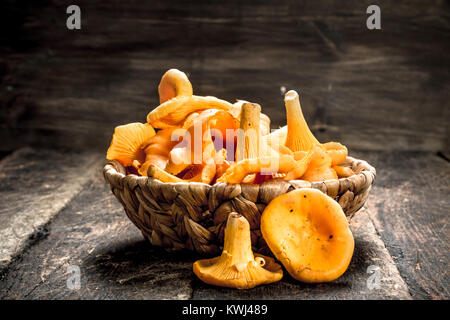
{"x": 319, "y": 168}
{"x": 264, "y": 126}
{"x": 343, "y": 172}
{"x": 277, "y": 136}
{"x": 308, "y": 233}
{"x": 128, "y": 143}
{"x": 282, "y": 163}
{"x": 174, "y": 111}
{"x": 205, "y": 171}
{"x": 249, "y": 137}
{"x": 252, "y": 149}
{"x": 174, "y": 83}
{"x": 338, "y": 152}
{"x": 237, "y": 267}
{"x": 157, "y": 150}
{"x": 262, "y": 156}
{"x": 299, "y": 137}
{"x": 198, "y": 144}
{"x": 196, "y": 173}
{"x": 221, "y": 163}
{"x": 158, "y": 173}
{"x": 302, "y": 159}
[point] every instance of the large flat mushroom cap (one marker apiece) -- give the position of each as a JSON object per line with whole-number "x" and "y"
{"x": 309, "y": 234}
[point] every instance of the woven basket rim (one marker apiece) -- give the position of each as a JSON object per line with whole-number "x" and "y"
{"x": 115, "y": 168}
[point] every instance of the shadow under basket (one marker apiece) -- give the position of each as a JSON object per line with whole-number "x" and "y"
{"x": 193, "y": 215}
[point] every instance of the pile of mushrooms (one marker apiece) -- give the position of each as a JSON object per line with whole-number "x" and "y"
{"x": 305, "y": 229}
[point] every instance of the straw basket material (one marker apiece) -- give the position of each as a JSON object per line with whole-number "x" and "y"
{"x": 193, "y": 215}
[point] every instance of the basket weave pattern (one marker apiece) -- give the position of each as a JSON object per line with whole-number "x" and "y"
{"x": 193, "y": 215}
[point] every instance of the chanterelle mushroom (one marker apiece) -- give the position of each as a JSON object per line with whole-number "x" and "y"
{"x": 309, "y": 234}
{"x": 129, "y": 142}
{"x": 174, "y": 83}
{"x": 299, "y": 137}
{"x": 237, "y": 267}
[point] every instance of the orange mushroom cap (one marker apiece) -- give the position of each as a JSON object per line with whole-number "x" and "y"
{"x": 309, "y": 234}
{"x": 128, "y": 143}
{"x": 338, "y": 152}
{"x": 319, "y": 168}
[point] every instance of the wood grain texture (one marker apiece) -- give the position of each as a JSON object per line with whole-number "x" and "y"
{"x": 410, "y": 209}
{"x": 93, "y": 232}
{"x": 372, "y": 90}
{"x": 34, "y": 186}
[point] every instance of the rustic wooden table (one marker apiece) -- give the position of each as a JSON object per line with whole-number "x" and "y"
{"x": 383, "y": 93}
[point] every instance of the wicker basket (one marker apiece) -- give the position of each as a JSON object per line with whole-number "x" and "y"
{"x": 192, "y": 215}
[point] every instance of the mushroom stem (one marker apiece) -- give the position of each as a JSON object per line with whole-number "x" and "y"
{"x": 249, "y": 136}
{"x": 237, "y": 242}
{"x": 237, "y": 267}
{"x": 264, "y": 125}
{"x": 299, "y": 136}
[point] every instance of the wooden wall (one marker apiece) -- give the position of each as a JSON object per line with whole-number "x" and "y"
{"x": 375, "y": 90}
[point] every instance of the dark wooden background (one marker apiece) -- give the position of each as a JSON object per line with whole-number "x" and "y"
{"x": 383, "y": 93}
{"x": 380, "y": 90}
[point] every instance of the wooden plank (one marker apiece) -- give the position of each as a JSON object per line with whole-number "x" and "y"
{"x": 410, "y": 207}
{"x": 34, "y": 186}
{"x": 93, "y": 232}
{"x": 357, "y": 86}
